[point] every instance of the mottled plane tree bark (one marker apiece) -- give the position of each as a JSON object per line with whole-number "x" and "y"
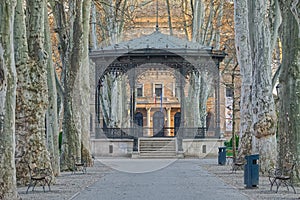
{"x": 8, "y": 84}
{"x": 72, "y": 28}
{"x": 32, "y": 90}
{"x": 113, "y": 97}
{"x": 85, "y": 85}
{"x": 205, "y": 29}
{"x": 289, "y": 90}
{"x": 262, "y": 41}
{"x": 52, "y": 114}
{"x": 254, "y": 51}
{"x": 71, "y": 146}
{"x": 243, "y": 52}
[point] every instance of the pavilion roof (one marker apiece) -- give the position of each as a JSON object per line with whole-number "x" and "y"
{"x": 156, "y": 40}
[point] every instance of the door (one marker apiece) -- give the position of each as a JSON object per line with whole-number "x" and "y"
{"x": 177, "y": 118}
{"x": 158, "y": 124}
{"x": 138, "y": 121}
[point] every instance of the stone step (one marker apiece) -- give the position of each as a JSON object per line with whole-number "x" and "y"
{"x": 158, "y": 154}
{"x": 158, "y": 141}
{"x": 157, "y": 148}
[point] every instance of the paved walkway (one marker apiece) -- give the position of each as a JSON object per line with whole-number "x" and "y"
{"x": 153, "y": 179}
{"x": 184, "y": 179}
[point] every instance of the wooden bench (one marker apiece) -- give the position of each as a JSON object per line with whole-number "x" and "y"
{"x": 39, "y": 175}
{"x": 281, "y": 176}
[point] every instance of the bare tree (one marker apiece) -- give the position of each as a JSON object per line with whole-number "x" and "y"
{"x": 52, "y": 114}
{"x": 73, "y": 48}
{"x": 243, "y": 51}
{"x": 112, "y": 20}
{"x": 289, "y": 90}
{"x": 206, "y": 27}
{"x": 169, "y": 17}
{"x": 8, "y": 83}
{"x": 258, "y": 117}
{"x": 85, "y": 85}
{"x": 71, "y": 146}
{"x": 264, "y": 119}
{"x": 32, "y": 90}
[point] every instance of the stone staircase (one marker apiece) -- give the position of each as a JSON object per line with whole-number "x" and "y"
{"x": 157, "y": 148}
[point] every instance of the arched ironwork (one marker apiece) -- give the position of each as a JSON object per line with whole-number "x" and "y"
{"x": 125, "y": 59}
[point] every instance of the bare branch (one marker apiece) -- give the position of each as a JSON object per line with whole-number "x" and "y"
{"x": 294, "y": 10}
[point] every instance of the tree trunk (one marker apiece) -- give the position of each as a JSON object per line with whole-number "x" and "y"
{"x": 61, "y": 28}
{"x": 32, "y": 89}
{"x": 112, "y": 99}
{"x": 71, "y": 147}
{"x": 52, "y": 114}
{"x": 264, "y": 119}
{"x": 115, "y": 19}
{"x": 8, "y": 84}
{"x": 184, "y": 16}
{"x": 243, "y": 51}
{"x": 289, "y": 80}
{"x": 258, "y": 117}
{"x": 36, "y": 107}
{"x": 208, "y": 30}
{"x": 94, "y": 21}
{"x": 219, "y": 24}
{"x": 21, "y": 58}
{"x": 85, "y": 86}
{"x": 198, "y": 21}
{"x": 169, "y": 17}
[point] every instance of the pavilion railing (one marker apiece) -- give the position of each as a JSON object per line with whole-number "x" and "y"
{"x": 131, "y": 133}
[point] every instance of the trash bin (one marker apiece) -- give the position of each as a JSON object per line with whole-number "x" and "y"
{"x": 251, "y": 171}
{"x": 222, "y": 156}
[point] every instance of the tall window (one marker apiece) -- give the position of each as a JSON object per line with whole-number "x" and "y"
{"x": 139, "y": 91}
{"x": 158, "y": 90}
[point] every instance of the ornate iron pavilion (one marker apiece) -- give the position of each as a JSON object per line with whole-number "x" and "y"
{"x": 181, "y": 55}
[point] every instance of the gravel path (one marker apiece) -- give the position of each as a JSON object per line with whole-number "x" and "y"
{"x": 183, "y": 179}
{"x": 262, "y": 192}
{"x": 69, "y": 185}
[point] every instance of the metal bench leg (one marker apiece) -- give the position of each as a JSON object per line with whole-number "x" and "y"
{"x": 30, "y": 184}
{"x": 35, "y": 182}
{"x": 272, "y": 183}
{"x": 293, "y": 189}
{"x": 48, "y": 183}
{"x": 292, "y": 186}
{"x": 44, "y": 187}
{"x": 278, "y": 185}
